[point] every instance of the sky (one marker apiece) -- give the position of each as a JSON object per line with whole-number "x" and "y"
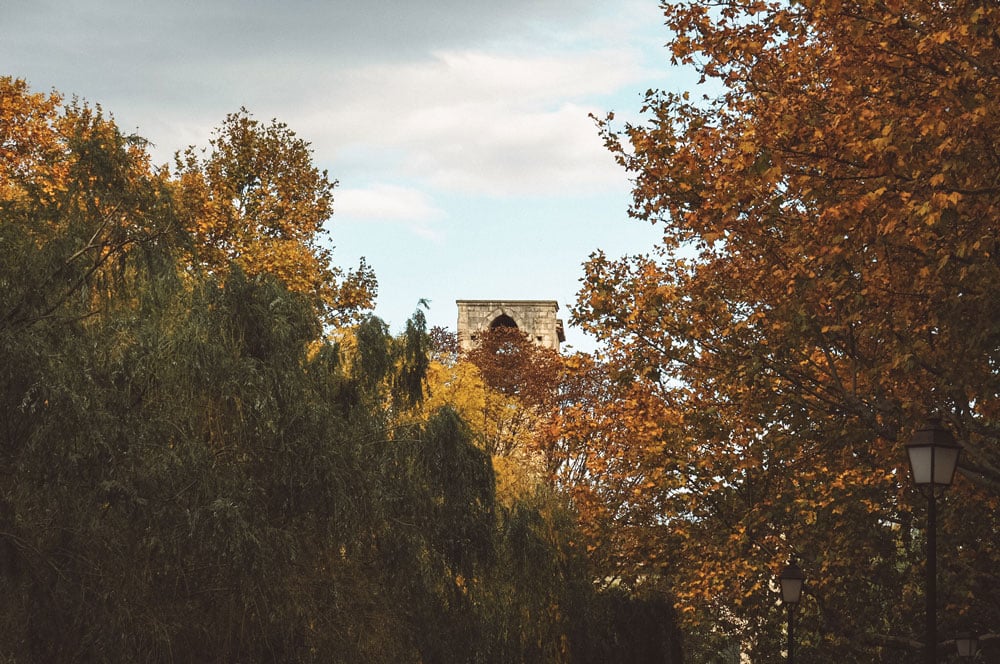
{"x": 458, "y": 130}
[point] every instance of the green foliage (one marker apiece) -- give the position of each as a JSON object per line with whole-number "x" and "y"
{"x": 191, "y": 471}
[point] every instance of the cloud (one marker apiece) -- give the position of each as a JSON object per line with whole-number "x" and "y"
{"x": 385, "y": 202}
{"x": 465, "y": 96}
{"x": 512, "y": 152}
{"x": 476, "y": 122}
{"x": 211, "y": 35}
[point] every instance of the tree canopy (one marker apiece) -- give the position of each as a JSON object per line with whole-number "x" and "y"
{"x": 255, "y": 200}
{"x": 826, "y": 279}
{"x": 209, "y": 451}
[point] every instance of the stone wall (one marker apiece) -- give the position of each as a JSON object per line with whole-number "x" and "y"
{"x": 536, "y": 318}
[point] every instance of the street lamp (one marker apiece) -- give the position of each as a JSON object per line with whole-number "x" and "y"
{"x": 791, "y": 580}
{"x": 933, "y": 455}
{"x": 967, "y": 644}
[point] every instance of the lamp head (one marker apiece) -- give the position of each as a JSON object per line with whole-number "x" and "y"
{"x": 933, "y": 455}
{"x": 967, "y": 644}
{"x": 791, "y": 580}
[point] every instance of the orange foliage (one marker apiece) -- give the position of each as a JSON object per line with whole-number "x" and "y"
{"x": 827, "y": 276}
{"x": 257, "y": 201}
{"x": 28, "y": 140}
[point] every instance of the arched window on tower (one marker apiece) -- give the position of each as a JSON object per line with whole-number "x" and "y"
{"x": 503, "y": 320}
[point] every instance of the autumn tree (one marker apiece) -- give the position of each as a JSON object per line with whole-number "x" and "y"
{"x": 255, "y": 199}
{"x": 196, "y": 465}
{"x": 526, "y": 378}
{"x": 536, "y": 412}
{"x": 77, "y": 197}
{"x": 30, "y": 144}
{"x": 825, "y": 280}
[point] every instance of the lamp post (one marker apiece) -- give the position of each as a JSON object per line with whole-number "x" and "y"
{"x": 967, "y": 644}
{"x": 933, "y": 455}
{"x": 791, "y": 580}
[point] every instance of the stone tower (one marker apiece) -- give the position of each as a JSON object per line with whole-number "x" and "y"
{"x": 536, "y": 318}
